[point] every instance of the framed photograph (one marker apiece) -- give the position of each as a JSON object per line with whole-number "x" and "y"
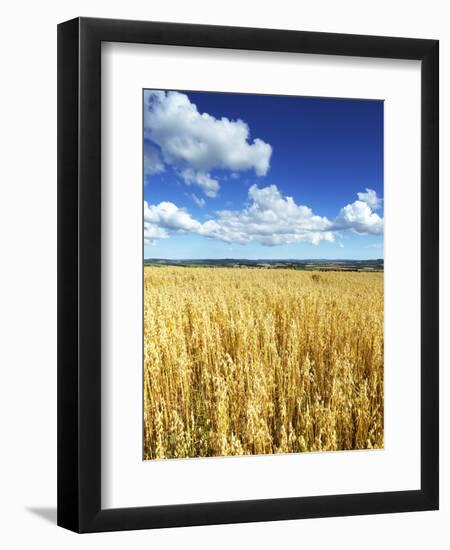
{"x": 247, "y": 275}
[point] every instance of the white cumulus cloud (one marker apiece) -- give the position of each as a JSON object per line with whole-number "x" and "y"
{"x": 166, "y": 218}
{"x": 196, "y": 143}
{"x": 370, "y": 198}
{"x": 359, "y": 215}
{"x": 153, "y": 232}
{"x": 270, "y": 219}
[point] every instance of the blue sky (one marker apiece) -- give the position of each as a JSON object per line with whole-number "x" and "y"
{"x": 254, "y": 176}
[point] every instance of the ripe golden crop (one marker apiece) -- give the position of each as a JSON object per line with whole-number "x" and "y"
{"x": 259, "y": 361}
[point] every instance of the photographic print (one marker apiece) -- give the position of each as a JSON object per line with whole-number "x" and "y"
{"x": 263, "y": 298}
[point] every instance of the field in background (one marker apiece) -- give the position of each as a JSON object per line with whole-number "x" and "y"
{"x": 261, "y": 361}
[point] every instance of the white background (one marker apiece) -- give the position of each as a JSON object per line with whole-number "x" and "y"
{"x": 28, "y": 288}
{"x": 127, "y": 480}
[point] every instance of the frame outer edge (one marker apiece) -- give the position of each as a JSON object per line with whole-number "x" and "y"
{"x": 67, "y": 191}
{"x": 89, "y": 276}
{"x": 430, "y": 277}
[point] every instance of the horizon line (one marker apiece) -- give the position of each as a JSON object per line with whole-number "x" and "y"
{"x": 269, "y": 259}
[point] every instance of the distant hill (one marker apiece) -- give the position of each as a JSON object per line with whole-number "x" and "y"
{"x": 307, "y": 264}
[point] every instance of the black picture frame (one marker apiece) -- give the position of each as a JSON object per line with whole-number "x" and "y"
{"x": 79, "y": 274}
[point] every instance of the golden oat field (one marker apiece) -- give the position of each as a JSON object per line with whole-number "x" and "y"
{"x": 258, "y": 361}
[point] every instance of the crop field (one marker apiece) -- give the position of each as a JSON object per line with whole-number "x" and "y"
{"x": 261, "y": 361}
